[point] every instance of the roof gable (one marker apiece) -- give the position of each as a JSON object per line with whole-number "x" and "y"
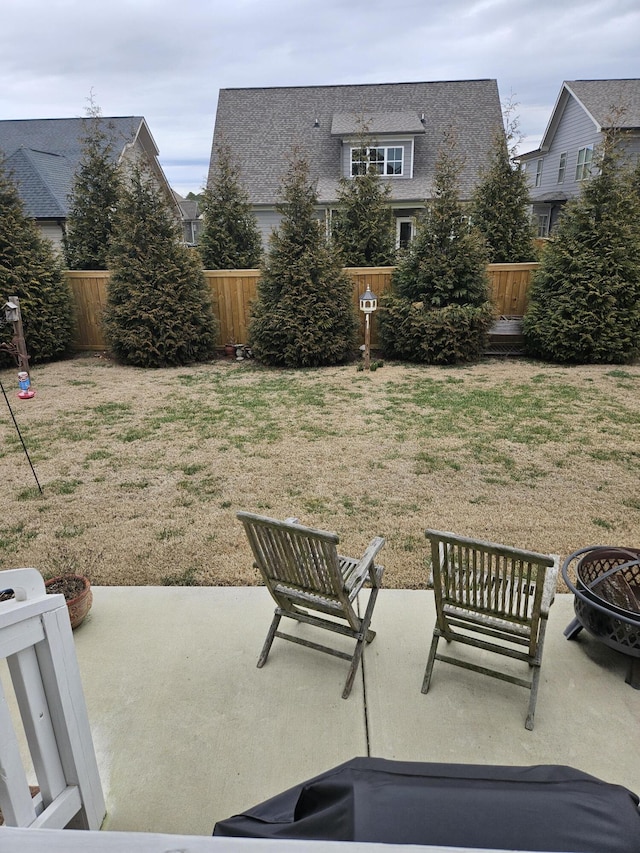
{"x": 606, "y": 102}
{"x": 264, "y": 126}
{"x": 43, "y": 156}
{"x": 609, "y": 102}
{"x": 44, "y": 182}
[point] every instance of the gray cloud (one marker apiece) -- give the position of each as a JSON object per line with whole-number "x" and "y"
{"x": 152, "y": 58}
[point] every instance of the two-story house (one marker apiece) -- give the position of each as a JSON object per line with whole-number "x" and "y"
{"x": 584, "y": 109}
{"x": 399, "y": 125}
{"x": 42, "y": 156}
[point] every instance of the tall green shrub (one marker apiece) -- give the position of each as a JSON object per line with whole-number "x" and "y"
{"x": 93, "y": 199}
{"x": 159, "y": 310}
{"x": 230, "y": 239}
{"x": 584, "y": 301}
{"x": 500, "y": 205}
{"x": 303, "y": 315}
{"x": 439, "y": 310}
{"x": 31, "y": 270}
{"x": 363, "y": 225}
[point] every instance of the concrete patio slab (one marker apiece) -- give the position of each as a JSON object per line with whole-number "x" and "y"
{"x": 586, "y": 716}
{"x": 188, "y": 731}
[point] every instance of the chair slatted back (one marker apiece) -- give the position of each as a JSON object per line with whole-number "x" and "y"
{"x": 295, "y": 555}
{"x": 488, "y": 579}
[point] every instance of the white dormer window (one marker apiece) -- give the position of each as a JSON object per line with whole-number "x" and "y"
{"x": 385, "y": 160}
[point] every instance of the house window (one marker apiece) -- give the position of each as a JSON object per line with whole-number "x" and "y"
{"x": 583, "y": 166}
{"x": 381, "y": 159}
{"x": 562, "y": 168}
{"x": 539, "y": 166}
{"x": 405, "y": 232}
{"x": 543, "y": 224}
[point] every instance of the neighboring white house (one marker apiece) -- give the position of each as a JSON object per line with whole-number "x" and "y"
{"x": 42, "y": 156}
{"x": 401, "y": 124}
{"x": 584, "y": 109}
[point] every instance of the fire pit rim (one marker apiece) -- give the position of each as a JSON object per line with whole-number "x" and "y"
{"x": 592, "y": 599}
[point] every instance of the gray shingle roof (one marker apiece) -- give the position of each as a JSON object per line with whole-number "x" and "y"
{"x": 344, "y": 124}
{"x": 603, "y": 99}
{"x": 44, "y": 181}
{"x": 264, "y": 125}
{"x": 43, "y": 154}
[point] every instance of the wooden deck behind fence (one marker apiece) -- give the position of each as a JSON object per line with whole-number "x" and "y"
{"x": 232, "y": 292}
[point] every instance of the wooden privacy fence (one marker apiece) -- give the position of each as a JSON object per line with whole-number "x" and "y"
{"x": 232, "y": 292}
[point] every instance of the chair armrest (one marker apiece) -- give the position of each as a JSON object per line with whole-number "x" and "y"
{"x": 358, "y": 570}
{"x": 367, "y": 560}
{"x": 550, "y": 583}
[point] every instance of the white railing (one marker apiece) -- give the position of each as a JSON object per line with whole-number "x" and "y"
{"x": 37, "y": 643}
{"x": 52, "y": 841}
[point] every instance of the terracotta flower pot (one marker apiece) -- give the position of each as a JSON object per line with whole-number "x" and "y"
{"x": 77, "y": 592}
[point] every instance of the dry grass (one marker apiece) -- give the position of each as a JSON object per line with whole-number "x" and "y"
{"x": 143, "y": 471}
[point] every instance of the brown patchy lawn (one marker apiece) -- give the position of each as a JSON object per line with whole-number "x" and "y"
{"x": 143, "y": 471}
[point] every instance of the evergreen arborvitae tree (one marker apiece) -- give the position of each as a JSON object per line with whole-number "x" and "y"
{"x": 230, "y": 239}
{"x": 363, "y": 226}
{"x": 439, "y": 311}
{"x": 303, "y": 315}
{"x": 159, "y": 311}
{"x": 500, "y": 205}
{"x": 584, "y": 301}
{"x": 93, "y": 199}
{"x": 31, "y": 270}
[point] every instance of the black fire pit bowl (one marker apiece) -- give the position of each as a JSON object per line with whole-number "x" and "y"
{"x": 607, "y": 600}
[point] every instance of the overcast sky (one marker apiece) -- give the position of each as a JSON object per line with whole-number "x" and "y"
{"x": 167, "y": 60}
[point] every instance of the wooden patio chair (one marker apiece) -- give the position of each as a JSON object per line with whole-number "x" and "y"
{"x": 483, "y": 589}
{"x": 303, "y": 572}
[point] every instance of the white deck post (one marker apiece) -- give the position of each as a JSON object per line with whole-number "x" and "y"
{"x": 37, "y": 642}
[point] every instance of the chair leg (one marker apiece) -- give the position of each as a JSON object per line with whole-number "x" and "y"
{"x": 366, "y": 619}
{"x": 533, "y": 698}
{"x": 355, "y": 663}
{"x": 536, "y": 665}
{"x": 431, "y": 660}
{"x": 366, "y": 635}
{"x": 264, "y": 654}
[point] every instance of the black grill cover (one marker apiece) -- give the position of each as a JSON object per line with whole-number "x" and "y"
{"x": 542, "y": 808}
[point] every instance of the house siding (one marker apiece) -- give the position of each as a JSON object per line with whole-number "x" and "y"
{"x": 267, "y": 221}
{"x": 575, "y": 130}
{"x": 633, "y": 149}
{"x": 53, "y": 231}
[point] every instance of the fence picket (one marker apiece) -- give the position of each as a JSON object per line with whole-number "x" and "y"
{"x": 232, "y": 292}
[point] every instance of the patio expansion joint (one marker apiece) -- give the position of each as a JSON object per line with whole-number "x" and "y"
{"x": 365, "y": 706}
